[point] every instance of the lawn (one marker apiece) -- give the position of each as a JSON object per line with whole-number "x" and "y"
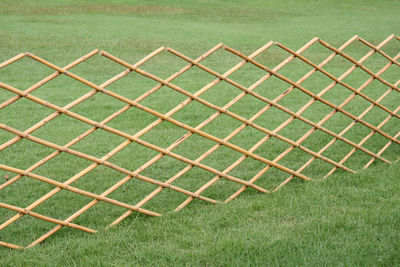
{"x": 347, "y": 219}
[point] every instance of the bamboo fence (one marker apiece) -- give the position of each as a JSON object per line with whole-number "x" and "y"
{"x": 216, "y": 175}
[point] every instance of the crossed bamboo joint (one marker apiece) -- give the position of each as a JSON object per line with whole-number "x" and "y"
{"x": 252, "y": 153}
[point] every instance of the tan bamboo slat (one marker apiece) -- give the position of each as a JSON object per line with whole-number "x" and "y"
{"x": 392, "y": 116}
{"x": 328, "y": 103}
{"x": 153, "y": 112}
{"x": 208, "y": 120}
{"x": 11, "y": 60}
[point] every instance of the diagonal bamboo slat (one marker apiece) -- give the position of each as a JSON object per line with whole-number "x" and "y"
{"x": 270, "y": 177}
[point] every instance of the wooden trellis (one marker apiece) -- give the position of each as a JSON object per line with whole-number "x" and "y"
{"x": 268, "y": 163}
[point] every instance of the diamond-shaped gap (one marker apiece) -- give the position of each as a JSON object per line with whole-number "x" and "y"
{"x": 314, "y": 169}
{"x": 295, "y": 70}
{"x": 132, "y": 85}
{"x": 376, "y": 90}
{"x": 247, "y": 75}
{"x": 62, "y": 167}
{"x": 62, "y": 90}
{"x": 164, "y": 134}
{"x": 356, "y": 50}
{"x": 98, "y": 143}
{"x": 272, "y": 148}
{"x": 357, "y": 105}
{"x": 131, "y": 120}
{"x": 247, "y": 137}
{"x": 294, "y": 100}
{"x": 222, "y": 126}
{"x": 272, "y": 56}
{"x": 98, "y": 107}
{"x": 392, "y": 74}
{"x": 375, "y": 62}
{"x": 194, "y": 79}
{"x": 247, "y": 106}
{"x": 271, "y": 119}
{"x": 337, "y": 151}
{"x": 5, "y": 136}
{"x": 24, "y": 191}
{"x": 164, "y": 100}
{"x": 392, "y": 48}
{"x": 194, "y": 146}
{"x": 24, "y": 73}
{"x": 164, "y": 168}
{"x": 337, "y": 123}
{"x": 337, "y": 66}
{"x": 24, "y": 153}
{"x": 24, "y": 113}
{"x": 316, "y": 111}
{"x": 221, "y": 94}
{"x": 97, "y": 69}
{"x": 61, "y": 130}
{"x": 247, "y": 168}
{"x": 193, "y": 114}
{"x": 100, "y": 215}
{"x": 356, "y": 78}
{"x": 316, "y": 140}
{"x": 295, "y": 130}
{"x": 133, "y": 156}
{"x": 272, "y": 88}
{"x": 25, "y": 230}
{"x": 316, "y": 82}
{"x": 357, "y": 159}
{"x": 164, "y": 65}
{"x": 317, "y": 53}
{"x": 221, "y": 61}
{"x": 391, "y": 127}
{"x": 221, "y": 158}
{"x": 375, "y": 116}
{"x": 375, "y": 142}
{"x": 337, "y": 95}
{"x": 391, "y": 101}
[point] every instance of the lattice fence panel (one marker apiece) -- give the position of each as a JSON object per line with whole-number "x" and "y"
{"x": 223, "y": 131}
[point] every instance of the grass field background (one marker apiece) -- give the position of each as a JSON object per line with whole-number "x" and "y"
{"x": 345, "y": 220}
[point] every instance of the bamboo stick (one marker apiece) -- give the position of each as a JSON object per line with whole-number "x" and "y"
{"x": 380, "y": 52}
{"x": 113, "y": 152}
{"x": 135, "y": 104}
{"x": 77, "y": 190}
{"x": 338, "y": 81}
{"x": 49, "y": 78}
{"x": 231, "y": 114}
{"x": 110, "y": 154}
{"x": 201, "y": 125}
{"x": 52, "y": 155}
{"x": 9, "y": 245}
{"x": 263, "y": 140}
{"x": 328, "y": 103}
{"x": 275, "y": 105}
{"x": 360, "y": 66}
{"x": 345, "y": 102}
{"x": 11, "y": 60}
{"x": 367, "y": 137}
{"x": 106, "y": 163}
{"x": 69, "y": 106}
{"x": 46, "y": 218}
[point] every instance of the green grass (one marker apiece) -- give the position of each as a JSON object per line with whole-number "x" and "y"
{"x": 345, "y": 220}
